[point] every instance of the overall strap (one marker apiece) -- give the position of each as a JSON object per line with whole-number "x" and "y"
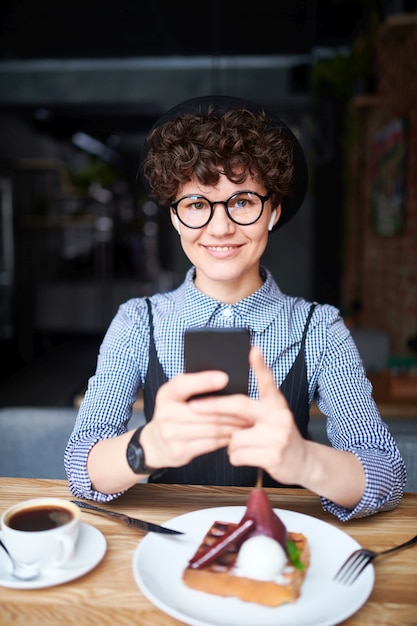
{"x": 309, "y": 316}
{"x": 295, "y": 385}
{"x": 295, "y": 389}
{"x": 155, "y": 376}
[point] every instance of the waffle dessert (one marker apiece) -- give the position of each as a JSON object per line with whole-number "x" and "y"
{"x": 215, "y": 566}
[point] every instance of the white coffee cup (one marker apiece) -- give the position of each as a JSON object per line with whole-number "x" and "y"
{"x": 40, "y": 533}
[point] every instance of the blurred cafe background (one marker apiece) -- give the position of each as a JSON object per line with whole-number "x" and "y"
{"x": 80, "y": 85}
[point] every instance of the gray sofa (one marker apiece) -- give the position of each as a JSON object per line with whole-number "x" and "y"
{"x": 33, "y": 440}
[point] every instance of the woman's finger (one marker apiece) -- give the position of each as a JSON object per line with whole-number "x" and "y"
{"x": 264, "y": 378}
{"x": 184, "y": 386}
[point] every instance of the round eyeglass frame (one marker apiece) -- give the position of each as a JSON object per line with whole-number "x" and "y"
{"x": 263, "y": 199}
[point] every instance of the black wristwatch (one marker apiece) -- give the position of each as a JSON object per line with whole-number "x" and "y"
{"x": 135, "y": 454}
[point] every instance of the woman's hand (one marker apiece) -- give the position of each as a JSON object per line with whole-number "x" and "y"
{"x": 178, "y": 432}
{"x": 269, "y": 438}
{"x": 274, "y": 442}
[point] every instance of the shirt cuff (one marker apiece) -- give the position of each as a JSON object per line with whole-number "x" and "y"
{"x": 78, "y": 478}
{"x": 382, "y": 492}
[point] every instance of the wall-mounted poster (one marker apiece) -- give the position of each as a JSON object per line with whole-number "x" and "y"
{"x": 389, "y": 178}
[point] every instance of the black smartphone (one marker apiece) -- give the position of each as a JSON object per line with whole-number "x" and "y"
{"x": 225, "y": 349}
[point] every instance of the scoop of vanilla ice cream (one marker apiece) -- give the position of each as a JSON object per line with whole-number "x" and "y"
{"x": 261, "y": 558}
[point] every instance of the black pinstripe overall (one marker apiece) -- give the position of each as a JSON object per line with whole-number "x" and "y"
{"x": 214, "y": 468}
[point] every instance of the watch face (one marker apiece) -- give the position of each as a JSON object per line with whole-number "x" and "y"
{"x": 133, "y": 458}
{"x": 134, "y": 454}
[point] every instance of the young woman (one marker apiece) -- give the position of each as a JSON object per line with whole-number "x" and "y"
{"x": 230, "y": 175}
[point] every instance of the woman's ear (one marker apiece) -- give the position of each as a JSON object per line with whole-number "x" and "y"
{"x": 275, "y": 215}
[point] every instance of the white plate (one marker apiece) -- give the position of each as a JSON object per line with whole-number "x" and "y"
{"x": 159, "y": 560}
{"x": 89, "y": 550}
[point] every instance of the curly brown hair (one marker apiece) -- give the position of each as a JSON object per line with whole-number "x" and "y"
{"x": 237, "y": 143}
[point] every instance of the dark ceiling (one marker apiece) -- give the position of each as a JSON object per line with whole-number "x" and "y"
{"x": 97, "y": 29}
{"x": 33, "y": 30}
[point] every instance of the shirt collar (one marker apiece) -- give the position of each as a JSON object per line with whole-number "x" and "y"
{"x": 255, "y": 312}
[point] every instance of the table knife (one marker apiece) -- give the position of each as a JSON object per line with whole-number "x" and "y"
{"x": 130, "y": 521}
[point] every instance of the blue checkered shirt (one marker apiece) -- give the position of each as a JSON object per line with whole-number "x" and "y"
{"x": 335, "y": 373}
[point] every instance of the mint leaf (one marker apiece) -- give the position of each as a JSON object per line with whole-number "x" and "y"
{"x": 294, "y": 552}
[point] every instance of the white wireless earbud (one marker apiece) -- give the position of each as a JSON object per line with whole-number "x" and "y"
{"x": 177, "y": 224}
{"x": 272, "y": 220}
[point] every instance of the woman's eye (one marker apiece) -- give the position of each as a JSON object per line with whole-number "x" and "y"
{"x": 243, "y": 204}
{"x": 199, "y": 206}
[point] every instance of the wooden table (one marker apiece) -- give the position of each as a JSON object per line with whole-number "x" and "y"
{"x": 108, "y": 594}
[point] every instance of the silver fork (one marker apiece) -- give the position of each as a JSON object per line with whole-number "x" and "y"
{"x": 359, "y": 559}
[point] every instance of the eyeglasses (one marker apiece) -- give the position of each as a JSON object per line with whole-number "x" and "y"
{"x": 243, "y": 208}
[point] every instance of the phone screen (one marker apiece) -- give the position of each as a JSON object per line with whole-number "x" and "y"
{"x": 225, "y": 349}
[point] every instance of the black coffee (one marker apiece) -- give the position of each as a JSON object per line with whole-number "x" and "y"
{"x": 39, "y": 518}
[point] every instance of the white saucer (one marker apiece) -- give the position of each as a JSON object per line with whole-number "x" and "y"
{"x": 90, "y": 549}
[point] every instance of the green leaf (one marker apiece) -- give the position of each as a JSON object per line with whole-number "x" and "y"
{"x": 294, "y": 553}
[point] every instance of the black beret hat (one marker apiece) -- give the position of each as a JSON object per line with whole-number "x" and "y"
{"x": 221, "y": 104}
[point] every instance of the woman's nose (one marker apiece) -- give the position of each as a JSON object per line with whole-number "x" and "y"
{"x": 220, "y": 222}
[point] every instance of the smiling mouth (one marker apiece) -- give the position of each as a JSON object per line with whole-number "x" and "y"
{"x": 222, "y": 248}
